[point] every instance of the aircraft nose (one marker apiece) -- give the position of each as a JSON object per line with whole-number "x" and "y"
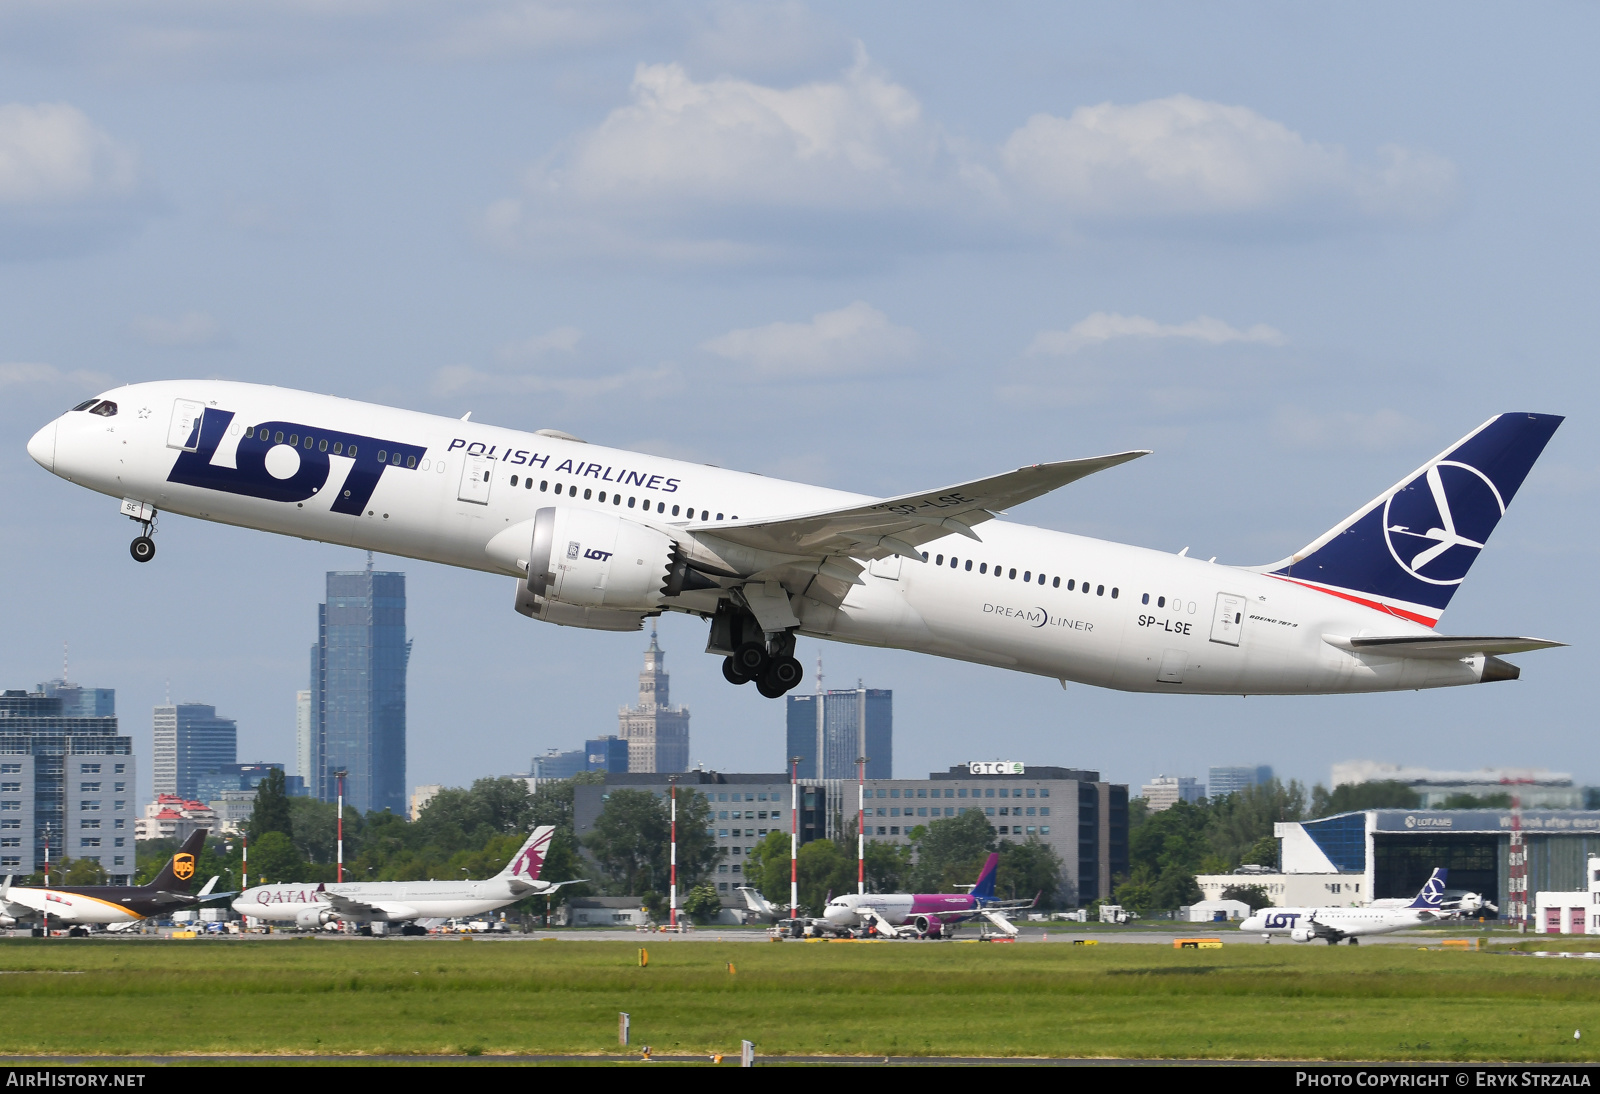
{"x": 42, "y": 447}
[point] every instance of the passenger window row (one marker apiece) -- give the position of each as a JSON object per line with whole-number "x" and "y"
{"x": 337, "y": 448}
{"x": 1027, "y": 576}
{"x": 616, "y": 499}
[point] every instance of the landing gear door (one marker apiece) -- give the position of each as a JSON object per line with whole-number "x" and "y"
{"x": 1228, "y": 623}
{"x": 184, "y": 432}
{"x": 477, "y": 476}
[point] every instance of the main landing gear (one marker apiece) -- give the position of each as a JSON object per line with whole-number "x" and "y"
{"x": 767, "y": 659}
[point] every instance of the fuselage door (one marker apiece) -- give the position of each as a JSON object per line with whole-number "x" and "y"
{"x": 477, "y": 476}
{"x": 1228, "y": 623}
{"x": 184, "y": 432}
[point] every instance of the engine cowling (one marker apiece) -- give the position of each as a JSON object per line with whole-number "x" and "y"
{"x": 312, "y": 917}
{"x": 585, "y": 559}
{"x": 1302, "y": 934}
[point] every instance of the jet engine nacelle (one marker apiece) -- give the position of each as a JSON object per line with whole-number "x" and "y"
{"x": 1303, "y": 934}
{"x": 585, "y": 559}
{"x": 312, "y": 917}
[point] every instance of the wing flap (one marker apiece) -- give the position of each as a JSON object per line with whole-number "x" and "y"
{"x": 1439, "y": 647}
{"x": 899, "y": 525}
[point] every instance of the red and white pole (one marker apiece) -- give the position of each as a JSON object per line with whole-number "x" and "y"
{"x": 672, "y": 906}
{"x": 47, "y": 883}
{"x": 794, "y": 837}
{"x": 245, "y": 884}
{"x": 861, "y": 831}
{"x": 340, "y": 775}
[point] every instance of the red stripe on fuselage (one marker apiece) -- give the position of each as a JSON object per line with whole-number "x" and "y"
{"x": 1378, "y": 604}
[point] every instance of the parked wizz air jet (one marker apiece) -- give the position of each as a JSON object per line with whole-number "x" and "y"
{"x": 1338, "y": 924}
{"x": 601, "y": 538}
{"x": 313, "y": 904}
{"x": 926, "y": 914}
{"x": 77, "y": 906}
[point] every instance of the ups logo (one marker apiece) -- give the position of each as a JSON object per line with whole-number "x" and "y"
{"x": 183, "y": 866}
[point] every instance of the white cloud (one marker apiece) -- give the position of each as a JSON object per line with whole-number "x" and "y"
{"x": 188, "y": 331}
{"x": 51, "y": 154}
{"x": 1102, "y": 327}
{"x": 1377, "y": 430}
{"x": 561, "y": 339}
{"x": 854, "y": 339}
{"x": 638, "y": 382}
{"x": 1185, "y": 157}
{"x": 729, "y": 171}
{"x": 32, "y": 374}
{"x": 723, "y": 171}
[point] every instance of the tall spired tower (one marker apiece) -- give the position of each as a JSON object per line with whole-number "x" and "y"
{"x": 657, "y": 732}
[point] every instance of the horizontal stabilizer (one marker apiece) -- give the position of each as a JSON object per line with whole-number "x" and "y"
{"x": 1439, "y": 647}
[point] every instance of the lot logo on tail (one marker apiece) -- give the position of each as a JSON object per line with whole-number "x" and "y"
{"x": 1420, "y": 521}
{"x": 183, "y": 866}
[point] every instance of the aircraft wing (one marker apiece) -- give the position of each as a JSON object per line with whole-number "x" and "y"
{"x": 343, "y": 905}
{"x": 899, "y": 525}
{"x": 1441, "y": 647}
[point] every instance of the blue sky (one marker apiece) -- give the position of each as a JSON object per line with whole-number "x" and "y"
{"x": 1295, "y": 252}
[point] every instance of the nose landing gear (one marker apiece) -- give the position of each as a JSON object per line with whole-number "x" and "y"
{"x": 143, "y": 549}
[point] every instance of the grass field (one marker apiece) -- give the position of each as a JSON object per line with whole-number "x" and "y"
{"x": 425, "y": 996}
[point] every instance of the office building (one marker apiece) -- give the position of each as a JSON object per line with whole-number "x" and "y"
{"x": 556, "y": 764}
{"x": 1084, "y": 820}
{"x": 745, "y": 809}
{"x": 305, "y": 739}
{"x": 67, "y": 781}
{"x": 1165, "y": 791}
{"x": 657, "y": 732}
{"x": 1222, "y": 781}
{"x": 358, "y": 690}
{"x": 422, "y": 795}
{"x": 609, "y": 754}
{"x": 829, "y": 730}
{"x": 228, "y": 778}
{"x": 190, "y": 741}
{"x": 1537, "y": 788}
{"x": 81, "y": 702}
{"x": 175, "y": 818}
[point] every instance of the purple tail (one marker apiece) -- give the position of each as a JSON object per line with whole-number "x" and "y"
{"x": 983, "y": 892}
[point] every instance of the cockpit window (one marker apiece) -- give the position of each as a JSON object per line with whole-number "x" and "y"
{"x": 107, "y": 409}
{"x": 87, "y": 403}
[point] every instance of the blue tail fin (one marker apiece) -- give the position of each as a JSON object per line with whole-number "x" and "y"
{"x": 984, "y": 890}
{"x": 1408, "y": 549}
{"x": 1432, "y": 894}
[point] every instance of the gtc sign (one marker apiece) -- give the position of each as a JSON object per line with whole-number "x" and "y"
{"x": 994, "y": 767}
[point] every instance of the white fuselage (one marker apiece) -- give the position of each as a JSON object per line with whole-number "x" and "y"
{"x": 307, "y": 904}
{"x": 1302, "y": 923}
{"x": 67, "y": 909}
{"x": 1049, "y": 603}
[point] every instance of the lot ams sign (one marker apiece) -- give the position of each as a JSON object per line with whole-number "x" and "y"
{"x": 994, "y": 767}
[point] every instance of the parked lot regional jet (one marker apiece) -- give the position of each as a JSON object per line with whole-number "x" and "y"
{"x": 111, "y": 905}
{"x": 311, "y": 905}
{"x": 601, "y": 538}
{"x": 1337, "y": 924}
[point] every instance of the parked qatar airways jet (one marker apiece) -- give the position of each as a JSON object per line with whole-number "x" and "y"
{"x": 601, "y": 538}
{"x": 311, "y": 905}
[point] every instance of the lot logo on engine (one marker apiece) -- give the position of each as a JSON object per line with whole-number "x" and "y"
{"x": 572, "y": 549}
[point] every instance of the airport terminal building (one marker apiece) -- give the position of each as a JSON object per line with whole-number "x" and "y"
{"x": 1374, "y": 854}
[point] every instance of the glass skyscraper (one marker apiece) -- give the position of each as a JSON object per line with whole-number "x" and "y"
{"x": 829, "y": 730}
{"x": 190, "y": 741}
{"x": 358, "y": 690}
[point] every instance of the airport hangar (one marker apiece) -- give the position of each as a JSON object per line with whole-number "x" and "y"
{"x": 1374, "y": 854}
{"x": 1081, "y": 817}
